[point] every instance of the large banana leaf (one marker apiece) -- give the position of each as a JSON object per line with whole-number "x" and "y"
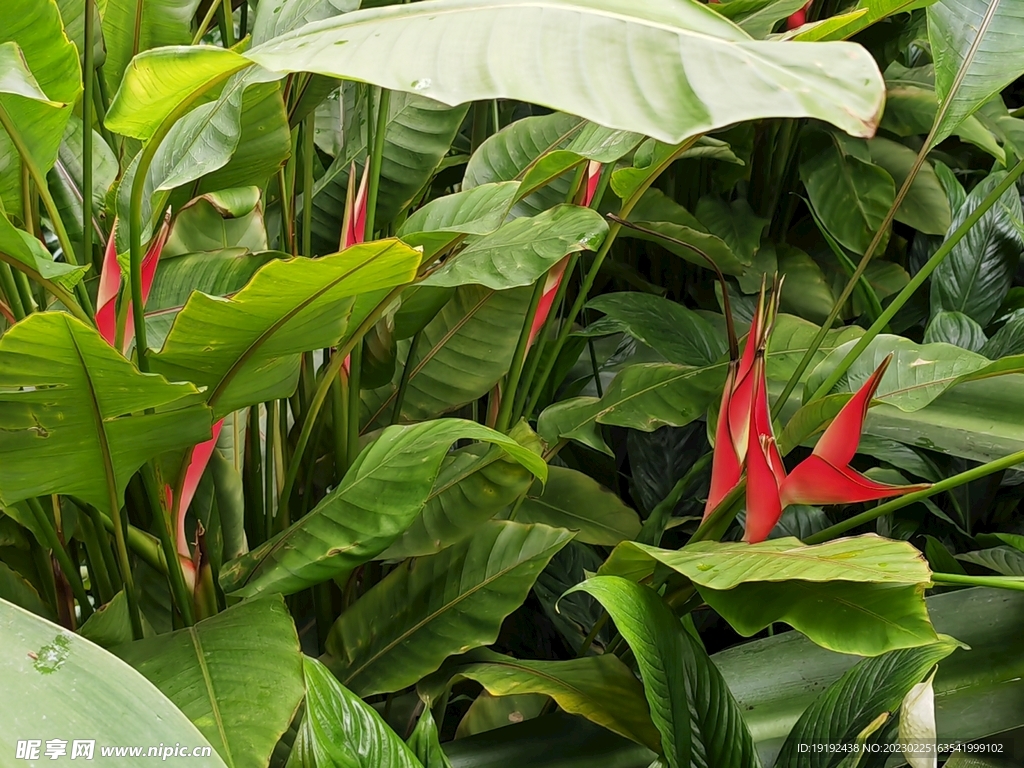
{"x": 58, "y": 685}
{"x": 237, "y": 676}
{"x": 24, "y": 252}
{"x": 974, "y": 46}
{"x": 378, "y": 498}
{"x": 340, "y": 729}
{"x": 431, "y": 608}
{"x": 40, "y": 82}
{"x": 65, "y": 392}
{"x": 861, "y": 595}
{"x": 245, "y": 349}
{"x": 131, "y": 27}
{"x": 600, "y": 50}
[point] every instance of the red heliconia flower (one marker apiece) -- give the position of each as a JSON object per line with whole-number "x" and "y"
{"x": 799, "y": 18}
{"x": 557, "y": 272}
{"x": 110, "y": 284}
{"x": 198, "y": 459}
{"x": 353, "y": 225}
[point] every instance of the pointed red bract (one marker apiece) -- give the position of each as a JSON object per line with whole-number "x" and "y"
{"x": 726, "y": 466}
{"x": 816, "y": 481}
{"x": 353, "y": 225}
{"x": 765, "y": 471}
{"x": 197, "y": 462}
{"x": 555, "y": 275}
{"x": 838, "y": 444}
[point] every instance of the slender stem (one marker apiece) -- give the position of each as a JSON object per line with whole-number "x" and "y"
{"x": 515, "y": 371}
{"x": 20, "y": 267}
{"x": 286, "y": 213}
{"x": 101, "y": 103}
{"x": 125, "y": 564}
{"x": 39, "y": 179}
{"x": 891, "y": 506}
{"x": 308, "y": 152}
{"x": 998, "y": 582}
{"x": 179, "y": 590}
{"x": 243, "y": 19}
{"x": 854, "y": 280}
{"x": 205, "y": 23}
{"x": 87, "y": 134}
{"x": 339, "y": 413}
{"x": 141, "y": 543}
{"x": 327, "y": 377}
{"x": 25, "y": 291}
{"x": 403, "y": 384}
{"x": 10, "y": 289}
{"x": 135, "y": 211}
{"x": 354, "y": 403}
{"x": 917, "y": 281}
{"x": 99, "y": 575}
{"x": 481, "y": 119}
{"x": 376, "y": 158}
{"x": 269, "y": 472}
{"x": 229, "y": 24}
{"x": 595, "y": 268}
{"x": 71, "y": 573}
{"x": 107, "y": 551}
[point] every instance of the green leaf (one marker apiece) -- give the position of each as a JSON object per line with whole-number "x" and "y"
{"x": 418, "y": 134}
{"x": 1006, "y": 561}
{"x": 850, "y": 704}
{"x": 161, "y": 80}
{"x": 65, "y": 181}
{"x": 925, "y": 208}
{"x": 849, "y": 193}
{"x": 600, "y": 688}
{"x": 570, "y": 499}
{"x": 476, "y": 211}
{"x": 657, "y": 212}
{"x": 40, "y": 81}
{"x": 17, "y": 590}
{"x": 806, "y": 291}
{"x": 110, "y": 625}
{"x": 131, "y": 27}
{"x": 679, "y": 334}
{"x": 979, "y": 270}
{"x": 62, "y": 686}
{"x": 490, "y": 713}
{"x": 1008, "y": 340}
{"x": 957, "y": 329}
{"x": 473, "y": 485}
{"x": 758, "y": 17}
{"x": 735, "y": 222}
{"x": 515, "y": 65}
{"x": 461, "y": 354}
{"x": 660, "y": 646}
{"x": 230, "y": 218}
{"x": 431, "y": 608}
{"x": 862, "y": 594}
{"x": 974, "y": 56}
{"x": 64, "y": 391}
{"x": 22, "y": 251}
{"x": 281, "y": 16}
{"x": 339, "y": 729}
{"x": 245, "y": 349}
{"x": 425, "y": 742}
{"x": 523, "y": 250}
{"x": 378, "y": 498}
{"x": 216, "y": 670}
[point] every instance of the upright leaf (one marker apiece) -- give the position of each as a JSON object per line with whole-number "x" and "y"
{"x": 216, "y": 671}
{"x": 431, "y": 608}
{"x": 425, "y": 742}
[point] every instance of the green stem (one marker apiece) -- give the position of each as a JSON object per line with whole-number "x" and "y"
{"x": 308, "y": 150}
{"x": 339, "y": 398}
{"x": 229, "y": 24}
{"x": 10, "y": 289}
{"x": 515, "y": 371}
{"x": 269, "y": 472}
{"x": 135, "y": 211}
{"x": 109, "y": 558}
{"x": 165, "y": 533}
{"x": 204, "y": 25}
{"x": 588, "y": 282}
{"x": 87, "y": 134}
{"x": 854, "y": 280}
{"x": 20, "y": 267}
{"x": 141, "y": 543}
{"x": 376, "y": 157}
{"x": 71, "y": 573}
{"x": 354, "y": 403}
{"x": 98, "y": 572}
{"x": 327, "y": 377}
{"x": 891, "y": 506}
{"x": 481, "y": 120}
{"x": 287, "y": 220}
{"x": 998, "y": 582}
{"x": 403, "y": 384}
{"x": 916, "y": 282}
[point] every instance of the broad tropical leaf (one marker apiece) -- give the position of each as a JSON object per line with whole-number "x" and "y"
{"x": 378, "y": 498}
{"x": 216, "y": 670}
{"x": 61, "y": 686}
{"x": 431, "y": 608}
{"x": 64, "y": 391}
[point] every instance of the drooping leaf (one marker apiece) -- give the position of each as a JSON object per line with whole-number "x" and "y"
{"x": 245, "y": 349}
{"x": 516, "y": 64}
{"x": 872, "y": 687}
{"x": 850, "y": 194}
{"x": 473, "y": 485}
{"x": 431, "y": 608}
{"x": 600, "y": 688}
{"x": 570, "y": 499}
{"x": 216, "y": 670}
{"x": 61, "y": 686}
{"x": 979, "y": 270}
{"x": 339, "y": 729}
{"x": 860, "y": 595}
{"x": 64, "y": 391}
{"x": 24, "y": 252}
{"x": 476, "y": 211}
{"x": 378, "y": 498}
{"x": 521, "y": 251}
{"x": 925, "y": 208}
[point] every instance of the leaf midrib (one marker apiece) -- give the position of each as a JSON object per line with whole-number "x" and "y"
{"x": 197, "y": 647}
